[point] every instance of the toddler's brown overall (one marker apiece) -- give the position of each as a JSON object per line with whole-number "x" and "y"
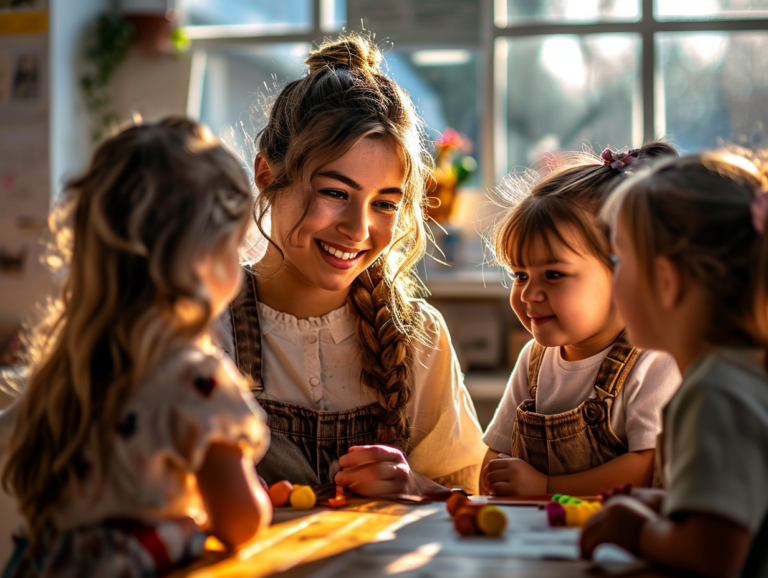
{"x": 580, "y": 439}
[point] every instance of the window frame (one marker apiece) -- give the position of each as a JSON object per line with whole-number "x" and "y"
{"x": 492, "y": 164}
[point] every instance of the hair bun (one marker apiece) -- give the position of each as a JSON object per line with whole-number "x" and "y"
{"x": 354, "y": 52}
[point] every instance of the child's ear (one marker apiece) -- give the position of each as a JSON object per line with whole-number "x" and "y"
{"x": 669, "y": 283}
{"x": 262, "y": 171}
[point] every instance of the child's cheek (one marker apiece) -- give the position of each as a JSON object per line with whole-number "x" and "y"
{"x": 519, "y": 307}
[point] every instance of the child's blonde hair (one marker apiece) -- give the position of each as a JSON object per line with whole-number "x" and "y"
{"x": 570, "y": 196}
{"x": 697, "y": 212}
{"x": 317, "y": 119}
{"x": 156, "y": 198}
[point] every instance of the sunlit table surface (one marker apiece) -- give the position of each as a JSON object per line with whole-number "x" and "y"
{"x": 371, "y": 538}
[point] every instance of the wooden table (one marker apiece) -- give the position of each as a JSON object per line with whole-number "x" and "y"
{"x": 372, "y": 538}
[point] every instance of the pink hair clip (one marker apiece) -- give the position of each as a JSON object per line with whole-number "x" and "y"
{"x": 759, "y": 210}
{"x": 621, "y": 160}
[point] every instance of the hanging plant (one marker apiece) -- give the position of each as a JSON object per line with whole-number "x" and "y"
{"x": 105, "y": 53}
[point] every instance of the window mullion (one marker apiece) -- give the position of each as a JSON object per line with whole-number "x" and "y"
{"x": 648, "y": 72}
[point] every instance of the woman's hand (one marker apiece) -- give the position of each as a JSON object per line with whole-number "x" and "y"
{"x": 619, "y": 522}
{"x": 375, "y": 471}
{"x": 514, "y": 477}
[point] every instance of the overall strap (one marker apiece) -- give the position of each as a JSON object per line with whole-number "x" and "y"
{"x": 246, "y": 329}
{"x": 615, "y": 368}
{"x": 534, "y": 365}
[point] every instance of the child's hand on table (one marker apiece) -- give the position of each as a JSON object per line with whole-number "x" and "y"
{"x": 620, "y": 522}
{"x": 507, "y": 476}
{"x": 374, "y": 471}
{"x": 651, "y": 497}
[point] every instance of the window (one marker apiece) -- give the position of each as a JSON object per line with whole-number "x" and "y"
{"x": 618, "y": 72}
{"x": 519, "y": 78}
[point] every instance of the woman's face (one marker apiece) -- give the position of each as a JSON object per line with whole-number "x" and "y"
{"x": 351, "y": 219}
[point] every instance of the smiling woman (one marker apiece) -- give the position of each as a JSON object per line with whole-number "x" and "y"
{"x": 357, "y": 375}
{"x": 350, "y": 221}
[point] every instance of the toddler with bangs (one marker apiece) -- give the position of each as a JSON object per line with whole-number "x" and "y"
{"x": 581, "y": 411}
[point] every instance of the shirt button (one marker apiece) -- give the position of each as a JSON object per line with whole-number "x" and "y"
{"x": 314, "y": 382}
{"x": 312, "y": 338}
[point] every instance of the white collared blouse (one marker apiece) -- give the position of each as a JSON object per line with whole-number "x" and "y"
{"x": 315, "y": 363}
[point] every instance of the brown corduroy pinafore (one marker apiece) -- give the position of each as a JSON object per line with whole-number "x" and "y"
{"x": 305, "y": 442}
{"x": 580, "y": 439}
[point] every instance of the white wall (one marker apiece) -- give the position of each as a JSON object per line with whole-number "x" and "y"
{"x": 70, "y": 126}
{"x": 70, "y": 149}
{"x": 69, "y": 141}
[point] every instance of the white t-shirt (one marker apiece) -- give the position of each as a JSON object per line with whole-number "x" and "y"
{"x": 564, "y": 385}
{"x": 315, "y": 363}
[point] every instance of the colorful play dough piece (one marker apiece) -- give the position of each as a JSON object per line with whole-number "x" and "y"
{"x": 303, "y": 498}
{"x": 571, "y": 513}
{"x": 456, "y": 501}
{"x": 280, "y": 493}
{"x": 555, "y": 513}
{"x": 491, "y": 521}
{"x": 576, "y": 515}
{"x": 341, "y": 499}
{"x": 465, "y": 521}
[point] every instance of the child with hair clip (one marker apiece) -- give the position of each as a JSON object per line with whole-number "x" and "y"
{"x": 356, "y": 374}
{"x": 692, "y": 249}
{"x": 131, "y": 429}
{"x": 582, "y": 408}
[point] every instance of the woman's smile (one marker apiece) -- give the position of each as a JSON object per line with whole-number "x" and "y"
{"x": 339, "y": 256}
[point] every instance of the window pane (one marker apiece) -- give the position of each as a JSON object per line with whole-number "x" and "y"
{"x": 235, "y": 84}
{"x": 339, "y": 12}
{"x": 217, "y": 12}
{"x": 564, "y": 91}
{"x": 444, "y": 86}
{"x": 513, "y": 12}
{"x": 713, "y": 86}
{"x": 710, "y": 9}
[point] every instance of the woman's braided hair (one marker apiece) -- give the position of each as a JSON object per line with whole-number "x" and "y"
{"x": 317, "y": 119}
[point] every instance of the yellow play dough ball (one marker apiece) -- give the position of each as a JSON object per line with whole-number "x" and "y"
{"x": 491, "y": 521}
{"x": 303, "y": 498}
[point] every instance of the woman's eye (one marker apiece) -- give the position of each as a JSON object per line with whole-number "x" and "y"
{"x": 387, "y": 206}
{"x": 554, "y": 275}
{"x": 520, "y": 277}
{"x": 334, "y": 194}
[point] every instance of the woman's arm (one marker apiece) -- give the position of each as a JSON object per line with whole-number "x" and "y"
{"x": 704, "y": 544}
{"x": 512, "y": 476}
{"x": 238, "y": 508}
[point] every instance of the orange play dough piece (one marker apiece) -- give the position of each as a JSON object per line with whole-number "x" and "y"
{"x": 465, "y": 521}
{"x": 456, "y": 501}
{"x": 280, "y": 493}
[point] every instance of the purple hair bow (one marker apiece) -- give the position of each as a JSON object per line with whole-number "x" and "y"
{"x": 759, "y": 210}
{"x": 620, "y": 160}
